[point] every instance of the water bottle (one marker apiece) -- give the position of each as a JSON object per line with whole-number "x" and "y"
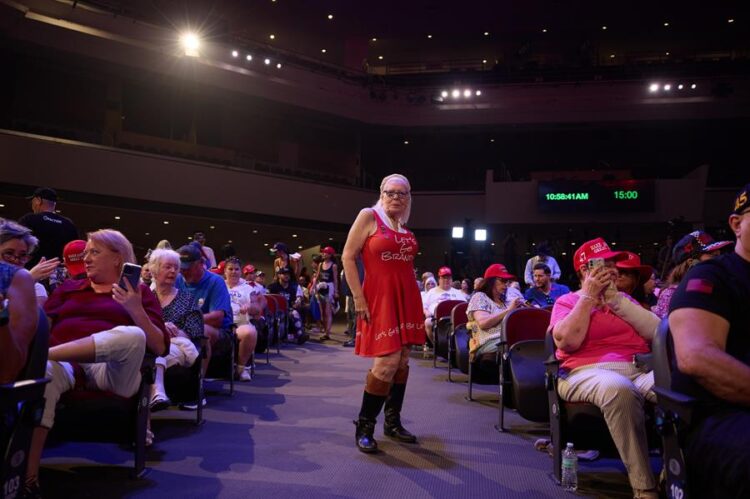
{"x": 569, "y": 468}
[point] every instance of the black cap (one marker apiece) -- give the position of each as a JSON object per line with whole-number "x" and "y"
{"x": 44, "y": 193}
{"x": 742, "y": 201}
{"x": 188, "y": 254}
{"x": 284, "y": 270}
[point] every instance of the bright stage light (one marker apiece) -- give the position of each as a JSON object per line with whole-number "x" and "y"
{"x": 467, "y": 93}
{"x": 654, "y": 87}
{"x": 480, "y": 234}
{"x": 456, "y": 94}
{"x": 190, "y": 44}
{"x": 458, "y": 232}
{"x": 444, "y": 94}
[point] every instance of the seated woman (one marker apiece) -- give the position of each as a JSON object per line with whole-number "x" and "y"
{"x": 245, "y": 304}
{"x": 631, "y": 277}
{"x": 487, "y": 309}
{"x": 17, "y": 244}
{"x": 99, "y": 332}
{"x": 597, "y": 332}
{"x": 182, "y": 318}
{"x": 18, "y": 319}
{"x": 698, "y": 246}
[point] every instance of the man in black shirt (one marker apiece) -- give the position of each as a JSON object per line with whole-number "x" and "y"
{"x": 54, "y": 231}
{"x": 291, "y": 291}
{"x": 710, "y": 323}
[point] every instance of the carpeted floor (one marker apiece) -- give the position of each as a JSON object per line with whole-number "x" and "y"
{"x": 289, "y": 433}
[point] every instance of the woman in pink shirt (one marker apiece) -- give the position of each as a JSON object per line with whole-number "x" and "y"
{"x": 597, "y": 332}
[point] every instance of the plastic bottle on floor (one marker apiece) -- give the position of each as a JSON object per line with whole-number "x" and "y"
{"x": 570, "y": 468}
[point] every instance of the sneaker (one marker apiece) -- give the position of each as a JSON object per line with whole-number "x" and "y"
{"x": 243, "y": 375}
{"x": 192, "y": 406}
{"x": 349, "y": 343}
{"x": 159, "y": 402}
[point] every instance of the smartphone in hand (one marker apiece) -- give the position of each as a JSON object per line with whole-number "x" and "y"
{"x": 132, "y": 273}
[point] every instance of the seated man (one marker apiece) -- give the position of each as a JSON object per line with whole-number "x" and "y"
{"x": 545, "y": 292}
{"x": 442, "y": 292}
{"x": 711, "y": 334}
{"x": 291, "y": 291}
{"x": 213, "y": 300}
{"x": 597, "y": 332}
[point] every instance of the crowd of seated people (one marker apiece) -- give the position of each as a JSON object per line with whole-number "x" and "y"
{"x": 101, "y": 327}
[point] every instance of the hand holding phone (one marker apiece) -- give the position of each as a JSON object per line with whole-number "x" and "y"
{"x": 131, "y": 273}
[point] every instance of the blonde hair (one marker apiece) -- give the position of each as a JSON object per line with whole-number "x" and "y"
{"x": 115, "y": 241}
{"x": 378, "y": 207}
{"x": 158, "y": 255}
{"x": 679, "y": 271}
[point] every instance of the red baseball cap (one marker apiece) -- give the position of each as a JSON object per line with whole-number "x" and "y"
{"x": 596, "y": 248}
{"x": 444, "y": 271}
{"x": 498, "y": 270}
{"x": 248, "y": 269}
{"x": 73, "y": 257}
{"x": 328, "y": 250}
{"x": 633, "y": 262}
{"x": 219, "y": 269}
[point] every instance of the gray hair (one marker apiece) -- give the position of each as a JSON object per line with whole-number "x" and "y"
{"x": 378, "y": 207}
{"x": 160, "y": 255}
{"x": 10, "y": 230}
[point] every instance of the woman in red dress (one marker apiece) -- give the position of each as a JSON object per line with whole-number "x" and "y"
{"x": 388, "y": 307}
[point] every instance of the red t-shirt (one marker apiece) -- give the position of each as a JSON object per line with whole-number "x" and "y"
{"x": 76, "y": 311}
{"x": 609, "y": 338}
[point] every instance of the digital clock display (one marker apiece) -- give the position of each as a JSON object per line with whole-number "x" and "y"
{"x": 603, "y": 196}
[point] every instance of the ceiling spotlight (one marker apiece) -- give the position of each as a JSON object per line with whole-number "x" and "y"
{"x": 148, "y": 233}
{"x": 429, "y": 36}
{"x": 666, "y": 53}
{"x": 266, "y": 61}
{"x": 484, "y": 61}
{"x": 730, "y": 21}
{"x": 406, "y": 142}
{"x": 486, "y": 33}
{"x": 667, "y": 87}
{"x": 374, "y": 39}
{"x": 544, "y": 30}
{"x": 323, "y": 51}
{"x": 330, "y": 239}
{"x": 278, "y": 65}
{"x": 456, "y": 93}
{"x": 457, "y": 232}
{"x": 235, "y": 53}
{"x": 666, "y": 25}
{"x": 212, "y": 227}
{"x": 266, "y": 244}
{"x": 294, "y": 235}
{"x": 654, "y": 87}
{"x": 492, "y": 141}
{"x": 693, "y": 86}
{"x": 330, "y": 16}
{"x": 166, "y": 222}
{"x": 478, "y": 93}
{"x": 680, "y": 86}
{"x": 480, "y": 234}
{"x": 604, "y": 28}
{"x": 248, "y": 57}
{"x": 190, "y": 44}
{"x": 380, "y": 57}
{"x": 255, "y": 231}
{"x": 444, "y": 94}
{"x": 117, "y": 217}
{"x": 611, "y": 56}
{"x": 272, "y": 36}
{"x": 467, "y": 93}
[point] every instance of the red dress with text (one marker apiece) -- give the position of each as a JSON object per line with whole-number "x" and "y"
{"x": 391, "y": 292}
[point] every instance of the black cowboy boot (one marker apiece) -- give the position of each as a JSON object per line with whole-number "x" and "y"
{"x": 372, "y": 402}
{"x": 392, "y": 426}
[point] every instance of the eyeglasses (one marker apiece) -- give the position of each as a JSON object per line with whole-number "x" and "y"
{"x": 11, "y": 256}
{"x": 397, "y": 194}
